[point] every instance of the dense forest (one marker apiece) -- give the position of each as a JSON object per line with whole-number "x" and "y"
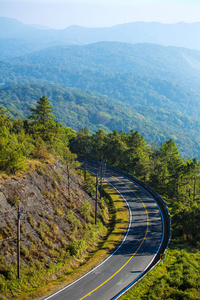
{"x": 78, "y": 109}
{"x": 177, "y": 180}
{"x": 129, "y": 73}
{"x": 111, "y": 85}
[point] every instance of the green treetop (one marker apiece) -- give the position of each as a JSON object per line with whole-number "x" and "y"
{"x": 43, "y": 111}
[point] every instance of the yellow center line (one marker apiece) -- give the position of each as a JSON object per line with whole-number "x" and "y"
{"x": 135, "y": 251}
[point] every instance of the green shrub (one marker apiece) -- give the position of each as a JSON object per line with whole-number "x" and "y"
{"x": 77, "y": 247}
{"x": 14, "y": 200}
{"x": 24, "y": 251}
{"x": 73, "y": 221}
{"x": 85, "y": 209}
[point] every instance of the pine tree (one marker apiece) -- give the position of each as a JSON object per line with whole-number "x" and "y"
{"x": 43, "y": 124}
{"x": 43, "y": 111}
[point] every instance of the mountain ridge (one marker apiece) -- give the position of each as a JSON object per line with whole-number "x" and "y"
{"x": 178, "y": 34}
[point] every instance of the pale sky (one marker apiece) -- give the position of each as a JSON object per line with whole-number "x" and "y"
{"x": 99, "y": 13}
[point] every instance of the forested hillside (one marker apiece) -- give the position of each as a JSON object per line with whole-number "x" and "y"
{"x": 78, "y": 109}
{"x": 138, "y": 74}
{"x": 150, "y": 88}
{"x": 106, "y": 58}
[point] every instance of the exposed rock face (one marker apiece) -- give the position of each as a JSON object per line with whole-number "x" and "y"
{"x": 57, "y": 211}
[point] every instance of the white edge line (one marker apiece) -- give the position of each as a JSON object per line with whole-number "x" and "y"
{"x": 130, "y": 220}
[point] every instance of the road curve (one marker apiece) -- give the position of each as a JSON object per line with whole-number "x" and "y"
{"x": 138, "y": 252}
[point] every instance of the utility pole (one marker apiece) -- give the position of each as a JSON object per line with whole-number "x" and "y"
{"x": 102, "y": 173}
{"x": 68, "y": 179}
{"x": 96, "y": 199}
{"x": 101, "y": 177}
{"x": 85, "y": 166}
{"x": 18, "y": 243}
{"x": 19, "y": 239}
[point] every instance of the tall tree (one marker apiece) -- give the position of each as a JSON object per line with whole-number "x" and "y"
{"x": 43, "y": 124}
{"x": 193, "y": 176}
{"x": 136, "y": 157}
{"x": 43, "y": 111}
{"x": 113, "y": 148}
{"x": 98, "y": 143}
{"x": 170, "y": 157}
{"x": 81, "y": 142}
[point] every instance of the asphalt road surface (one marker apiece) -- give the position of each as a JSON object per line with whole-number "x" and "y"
{"x": 133, "y": 256}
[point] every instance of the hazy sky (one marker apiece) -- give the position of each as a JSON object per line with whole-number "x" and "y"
{"x": 99, "y": 13}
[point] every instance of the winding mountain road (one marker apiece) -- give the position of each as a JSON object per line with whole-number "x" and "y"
{"x": 146, "y": 238}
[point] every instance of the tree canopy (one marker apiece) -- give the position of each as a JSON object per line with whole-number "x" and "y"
{"x": 43, "y": 111}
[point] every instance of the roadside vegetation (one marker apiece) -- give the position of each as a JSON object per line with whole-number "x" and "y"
{"x": 177, "y": 278}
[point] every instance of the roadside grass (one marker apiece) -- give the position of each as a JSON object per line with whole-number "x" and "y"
{"x": 119, "y": 219}
{"x": 177, "y": 278}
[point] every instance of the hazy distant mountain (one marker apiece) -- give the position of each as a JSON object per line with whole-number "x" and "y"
{"x": 179, "y": 34}
{"x": 11, "y": 28}
{"x": 141, "y": 74}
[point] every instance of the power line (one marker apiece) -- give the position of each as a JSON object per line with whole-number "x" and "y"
{"x": 10, "y": 238}
{"x": 8, "y": 212}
